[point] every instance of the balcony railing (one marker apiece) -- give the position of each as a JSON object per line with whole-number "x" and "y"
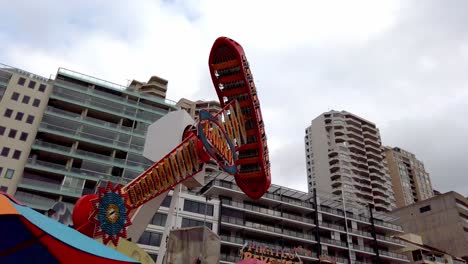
{"x": 271, "y": 212}
{"x": 35, "y": 200}
{"x": 332, "y": 226}
{"x": 93, "y": 138}
{"x": 393, "y": 255}
{"x": 333, "y": 242}
{"x": 272, "y": 229}
{"x": 75, "y": 172}
{"x": 114, "y": 86}
{"x": 331, "y": 211}
{"x": 94, "y": 121}
{"x": 362, "y": 248}
{"x": 136, "y": 166}
{"x": 390, "y": 239}
{"x": 89, "y": 102}
{"x": 53, "y": 187}
{"x": 267, "y": 195}
{"x": 384, "y": 224}
{"x": 360, "y": 232}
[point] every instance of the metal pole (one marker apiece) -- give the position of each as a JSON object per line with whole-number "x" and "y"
{"x": 346, "y": 223}
{"x": 169, "y": 224}
{"x": 374, "y": 235}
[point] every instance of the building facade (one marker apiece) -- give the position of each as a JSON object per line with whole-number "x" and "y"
{"x": 344, "y": 155}
{"x": 23, "y": 100}
{"x": 418, "y": 252}
{"x": 410, "y": 181}
{"x": 442, "y": 221}
{"x": 315, "y": 228}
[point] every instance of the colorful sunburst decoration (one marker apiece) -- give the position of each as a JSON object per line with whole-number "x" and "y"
{"x": 110, "y": 214}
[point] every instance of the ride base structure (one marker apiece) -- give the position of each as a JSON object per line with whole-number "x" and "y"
{"x": 234, "y": 138}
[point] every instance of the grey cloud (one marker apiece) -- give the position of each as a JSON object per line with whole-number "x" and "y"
{"x": 405, "y": 79}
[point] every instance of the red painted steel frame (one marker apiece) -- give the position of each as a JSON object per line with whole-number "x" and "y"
{"x": 228, "y": 56}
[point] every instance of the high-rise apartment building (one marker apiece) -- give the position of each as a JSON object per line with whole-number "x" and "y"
{"x": 441, "y": 221}
{"x": 194, "y": 107}
{"x": 410, "y": 181}
{"x": 344, "y": 155}
{"x": 62, "y": 137}
{"x": 328, "y": 229}
{"x": 23, "y": 100}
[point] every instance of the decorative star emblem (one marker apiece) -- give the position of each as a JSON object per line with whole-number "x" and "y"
{"x": 110, "y": 214}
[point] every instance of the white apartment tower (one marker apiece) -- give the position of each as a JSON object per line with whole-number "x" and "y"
{"x": 344, "y": 155}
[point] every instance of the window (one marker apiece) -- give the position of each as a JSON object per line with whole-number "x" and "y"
{"x": 9, "y": 173}
{"x": 5, "y": 152}
{"x": 15, "y": 96}
{"x": 21, "y": 81}
{"x": 24, "y": 136}
{"x": 30, "y": 119}
{"x": 8, "y": 112}
{"x": 150, "y": 238}
{"x": 42, "y": 87}
{"x": 17, "y": 154}
{"x": 167, "y": 201}
{"x": 32, "y": 84}
{"x": 1, "y": 170}
{"x": 198, "y": 207}
{"x": 26, "y": 99}
{"x": 3, "y": 188}
{"x": 19, "y": 116}
{"x": 159, "y": 219}
{"x": 2, "y": 130}
{"x": 36, "y": 102}
{"x": 12, "y": 133}
{"x": 187, "y": 222}
{"x": 425, "y": 209}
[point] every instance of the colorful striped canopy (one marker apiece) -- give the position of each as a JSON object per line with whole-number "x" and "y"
{"x": 30, "y": 237}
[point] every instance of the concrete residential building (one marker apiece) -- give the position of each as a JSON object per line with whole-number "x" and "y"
{"x": 294, "y": 221}
{"x": 194, "y": 107}
{"x": 83, "y": 130}
{"x": 344, "y": 155}
{"x": 442, "y": 221}
{"x": 410, "y": 181}
{"x": 418, "y": 252}
{"x": 23, "y": 99}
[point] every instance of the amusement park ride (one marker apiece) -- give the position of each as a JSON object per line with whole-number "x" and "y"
{"x": 234, "y": 138}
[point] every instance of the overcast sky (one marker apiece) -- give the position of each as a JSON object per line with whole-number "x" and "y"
{"x": 400, "y": 64}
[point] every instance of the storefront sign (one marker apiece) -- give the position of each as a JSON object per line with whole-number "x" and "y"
{"x": 272, "y": 256}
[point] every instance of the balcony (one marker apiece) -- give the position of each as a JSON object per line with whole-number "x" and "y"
{"x": 331, "y": 211}
{"x": 35, "y": 201}
{"x": 362, "y": 248}
{"x": 48, "y": 187}
{"x": 94, "y": 122}
{"x": 272, "y": 230}
{"x": 360, "y": 233}
{"x": 333, "y": 242}
{"x": 86, "y": 155}
{"x": 98, "y": 140}
{"x": 89, "y": 102}
{"x": 269, "y": 212}
{"x": 331, "y": 226}
{"x": 388, "y": 225}
{"x": 390, "y": 240}
{"x": 74, "y": 172}
{"x": 125, "y": 102}
{"x": 232, "y": 187}
{"x": 392, "y": 255}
